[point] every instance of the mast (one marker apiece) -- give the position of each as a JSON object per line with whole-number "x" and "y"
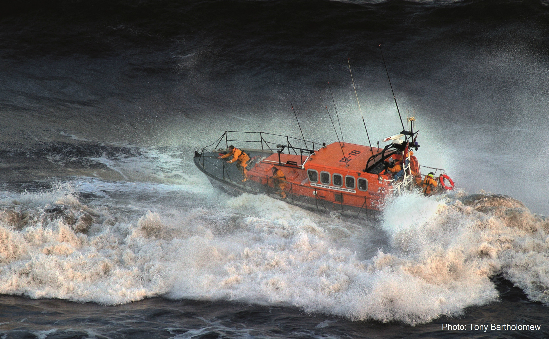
{"x": 358, "y": 102}
{"x": 298, "y": 125}
{"x": 335, "y": 130}
{"x": 390, "y": 84}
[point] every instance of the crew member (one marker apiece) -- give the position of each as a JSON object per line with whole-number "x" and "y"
{"x": 396, "y": 169}
{"x": 429, "y": 184}
{"x": 279, "y": 182}
{"x": 242, "y": 159}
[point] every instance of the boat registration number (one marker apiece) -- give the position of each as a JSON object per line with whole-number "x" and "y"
{"x": 350, "y": 156}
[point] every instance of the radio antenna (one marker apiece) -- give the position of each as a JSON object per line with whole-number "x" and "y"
{"x": 298, "y": 125}
{"x": 358, "y": 102}
{"x": 390, "y": 84}
{"x": 335, "y": 109}
{"x": 333, "y": 125}
{"x": 335, "y": 130}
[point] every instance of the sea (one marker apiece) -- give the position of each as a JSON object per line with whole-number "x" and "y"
{"x": 108, "y": 230}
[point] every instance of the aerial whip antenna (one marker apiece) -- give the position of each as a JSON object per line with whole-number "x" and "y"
{"x": 333, "y": 125}
{"x": 358, "y": 102}
{"x": 335, "y": 130}
{"x": 335, "y": 109}
{"x": 390, "y": 84}
{"x": 298, "y": 125}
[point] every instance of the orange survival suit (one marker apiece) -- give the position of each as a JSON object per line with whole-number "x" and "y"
{"x": 429, "y": 184}
{"x": 242, "y": 159}
{"x": 279, "y": 182}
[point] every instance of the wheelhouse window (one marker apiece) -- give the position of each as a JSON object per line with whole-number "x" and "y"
{"x": 325, "y": 178}
{"x": 313, "y": 175}
{"x": 349, "y": 181}
{"x": 338, "y": 180}
{"x": 362, "y": 184}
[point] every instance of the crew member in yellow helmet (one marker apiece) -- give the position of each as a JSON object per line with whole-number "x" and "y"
{"x": 429, "y": 184}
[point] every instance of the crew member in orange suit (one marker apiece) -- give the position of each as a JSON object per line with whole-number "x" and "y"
{"x": 279, "y": 182}
{"x": 396, "y": 169}
{"x": 429, "y": 184}
{"x": 241, "y": 157}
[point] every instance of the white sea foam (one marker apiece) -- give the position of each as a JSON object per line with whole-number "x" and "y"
{"x": 428, "y": 257}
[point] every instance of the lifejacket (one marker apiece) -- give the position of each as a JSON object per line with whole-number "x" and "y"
{"x": 429, "y": 184}
{"x": 396, "y": 168}
{"x": 279, "y": 176}
{"x": 235, "y": 153}
{"x": 243, "y": 159}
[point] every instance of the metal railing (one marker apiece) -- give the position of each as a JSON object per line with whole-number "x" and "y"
{"x": 261, "y": 138}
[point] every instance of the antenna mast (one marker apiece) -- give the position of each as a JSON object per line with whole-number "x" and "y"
{"x": 335, "y": 109}
{"x": 298, "y": 125}
{"x": 358, "y": 102}
{"x": 337, "y": 136}
{"x": 390, "y": 84}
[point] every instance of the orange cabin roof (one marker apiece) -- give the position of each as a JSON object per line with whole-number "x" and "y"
{"x": 343, "y": 156}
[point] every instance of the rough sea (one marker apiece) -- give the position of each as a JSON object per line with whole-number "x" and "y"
{"x": 107, "y": 229}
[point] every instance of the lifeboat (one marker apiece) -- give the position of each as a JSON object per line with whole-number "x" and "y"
{"x": 340, "y": 176}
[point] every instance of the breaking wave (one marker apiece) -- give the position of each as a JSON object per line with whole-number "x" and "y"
{"x": 426, "y": 258}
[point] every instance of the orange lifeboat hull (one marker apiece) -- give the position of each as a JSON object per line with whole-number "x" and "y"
{"x": 341, "y": 176}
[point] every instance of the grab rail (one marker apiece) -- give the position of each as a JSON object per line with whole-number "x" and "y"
{"x": 284, "y": 141}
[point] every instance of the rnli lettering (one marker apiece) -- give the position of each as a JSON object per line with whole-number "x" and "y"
{"x": 350, "y": 156}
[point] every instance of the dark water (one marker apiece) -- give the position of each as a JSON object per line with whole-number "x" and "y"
{"x": 108, "y": 231}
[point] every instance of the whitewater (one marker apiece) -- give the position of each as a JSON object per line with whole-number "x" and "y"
{"x": 426, "y": 257}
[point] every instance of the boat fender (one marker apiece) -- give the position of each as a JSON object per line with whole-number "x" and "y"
{"x": 443, "y": 178}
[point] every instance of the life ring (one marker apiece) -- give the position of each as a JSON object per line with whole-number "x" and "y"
{"x": 442, "y": 179}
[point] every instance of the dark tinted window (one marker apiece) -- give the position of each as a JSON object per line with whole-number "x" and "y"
{"x": 325, "y": 178}
{"x": 338, "y": 180}
{"x": 313, "y": 175}
{"x": 362, "y": 184}
{"x": 350, "y": 182}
